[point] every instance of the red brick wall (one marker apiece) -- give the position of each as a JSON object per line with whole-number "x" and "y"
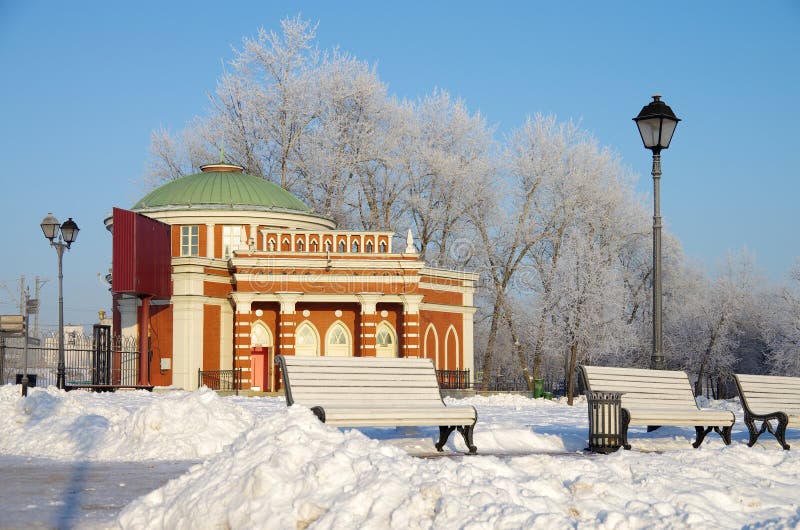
{"x": 160, "y": 343}
{"x": 211, "y": 337}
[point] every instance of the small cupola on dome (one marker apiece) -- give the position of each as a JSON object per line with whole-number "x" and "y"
{"x": 221, "y": 168}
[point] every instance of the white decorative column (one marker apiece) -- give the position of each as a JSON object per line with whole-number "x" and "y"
{"x": 187, "y": 325}
{"x": 209, "y": 240}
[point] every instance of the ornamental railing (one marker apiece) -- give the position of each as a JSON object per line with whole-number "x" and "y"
{"x": 224, "y": 380}
{"x": 453, "y": 379}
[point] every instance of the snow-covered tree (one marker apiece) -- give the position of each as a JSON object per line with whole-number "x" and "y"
{"x": 781, "y": 326}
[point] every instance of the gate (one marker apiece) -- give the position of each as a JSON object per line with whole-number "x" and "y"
{"x": 102, "y": 355}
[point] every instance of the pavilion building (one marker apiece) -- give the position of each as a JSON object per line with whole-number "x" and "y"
{"x": 221, "y": 270}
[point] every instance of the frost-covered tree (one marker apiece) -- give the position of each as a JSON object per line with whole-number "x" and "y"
{"x": 450, "y": 168}
{"x": 781, "y": 326}
{"x": 705, "y": 315}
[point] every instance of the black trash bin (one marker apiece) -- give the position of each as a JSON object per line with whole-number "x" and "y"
{"x": 605, "y": 421}
{"x": 31, "y": 380}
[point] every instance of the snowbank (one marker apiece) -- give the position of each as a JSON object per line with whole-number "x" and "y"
{"x": 125, "y": 426}
{"x": 269, "y": 466}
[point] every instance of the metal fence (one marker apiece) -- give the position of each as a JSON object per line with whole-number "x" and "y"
{"x": 461, "y": 379}
{"x": 225, "y": 380}
{"x": 453, "y": 379}
{"x": 504, "y": 383}
{"x": 87, "y": 360}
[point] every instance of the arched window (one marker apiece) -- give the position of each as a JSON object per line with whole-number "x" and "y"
{"x": 314, "y": 246}
{"x": 451, "y": 357}
{"x": 327, "y": 246}
{"x": 260, "y": 336}
{"x": 382, "y": 247}
{"x": 355, "y": 246}
{"x": 285, "y": 247}
{"x": 430, "y": 345}
{"x": 341, "y": 246}
{"x": 300, "y": 246}
{"x": 271, "y": 245}
{"x": 385, "y": 341}
{"x": 368, "y": 247}
{"x": 306, "y": 341}
{"x": 337, "y": 341}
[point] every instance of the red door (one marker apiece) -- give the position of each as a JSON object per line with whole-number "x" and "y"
{"x": 259, "y": 366}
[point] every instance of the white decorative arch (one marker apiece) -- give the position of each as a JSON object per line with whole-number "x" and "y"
{"x": 260, "y": 336}
{"x": 450, "y": 330}
{"x": 435, "y": 354}
{"x": 306, "y": 340}
{"x": 385, "y": 340}
{"x": 338, "y": 340}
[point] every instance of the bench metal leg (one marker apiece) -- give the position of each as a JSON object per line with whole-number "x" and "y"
{"x": 725, "y": 433}
{"x": 444, "y": 434}
{"x": 701, "y": 435}
{"x": 779, "y": 432}
{"x": 626, "y": 420}
{"x": 466, "y": 432}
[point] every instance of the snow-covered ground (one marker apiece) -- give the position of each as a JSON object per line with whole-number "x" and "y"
{"x": 265, "y": 466}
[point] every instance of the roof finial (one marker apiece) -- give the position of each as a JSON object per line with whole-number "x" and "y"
{"x": 410, "y": 249}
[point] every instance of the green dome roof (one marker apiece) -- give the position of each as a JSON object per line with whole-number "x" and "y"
{"x": 221, "y": 185}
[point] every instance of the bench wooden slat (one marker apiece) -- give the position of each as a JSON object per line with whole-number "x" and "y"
{"x": 404, "y": 362}
{"x": 383, "y": 375}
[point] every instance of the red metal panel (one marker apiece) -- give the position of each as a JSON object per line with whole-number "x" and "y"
{"x": 153, "y": 258}
{"x": 123, "y": 255}
{"x": 141, "y": 255}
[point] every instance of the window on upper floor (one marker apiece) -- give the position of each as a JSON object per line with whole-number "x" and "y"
{"x": 368, "y": 247}
{"x": 341, "y": 246}
{"x": 300, "y": 246}
{"x": 382, "y": 247}
{"x": 355, "y": 247}
{"x": 190, "y": 240}
{"x": 231, "y": 240}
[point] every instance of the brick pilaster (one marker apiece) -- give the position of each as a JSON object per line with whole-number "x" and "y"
{"x": 242, "y": 323}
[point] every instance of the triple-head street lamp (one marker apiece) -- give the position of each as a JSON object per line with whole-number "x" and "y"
{"x": 67, "y": 233}
{"x": 656, "y": 123}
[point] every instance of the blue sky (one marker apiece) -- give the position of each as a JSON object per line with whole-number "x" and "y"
{"x": 85, "y": 83}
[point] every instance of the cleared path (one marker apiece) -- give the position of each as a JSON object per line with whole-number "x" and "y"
{"x": 42, "y": 493}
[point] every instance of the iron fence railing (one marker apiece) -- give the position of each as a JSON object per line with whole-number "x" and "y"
{"x": 224, "y": 380}
{"x": 84, "y": 362}
{"x": 503, "y": 383}
{"x": 453, "y": 379}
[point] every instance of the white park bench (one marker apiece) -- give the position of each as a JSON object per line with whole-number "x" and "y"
{"x": 655, "y": 398}
{"x": 374, "y": 392}
{"x": 766, "y": 398}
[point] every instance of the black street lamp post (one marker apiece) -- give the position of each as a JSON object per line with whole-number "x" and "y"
{"x": 67, "y": 234}
{"x": 656, "y": 123}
